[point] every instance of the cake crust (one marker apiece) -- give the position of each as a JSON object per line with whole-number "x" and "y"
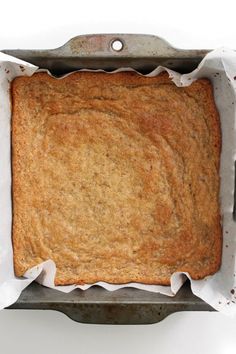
{"x": 115, "y": 177}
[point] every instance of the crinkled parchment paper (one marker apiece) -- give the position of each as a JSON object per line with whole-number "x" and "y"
{"x": 218, "y": 290}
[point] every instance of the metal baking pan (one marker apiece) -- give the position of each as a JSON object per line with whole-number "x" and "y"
{"x": 109, "y": 52}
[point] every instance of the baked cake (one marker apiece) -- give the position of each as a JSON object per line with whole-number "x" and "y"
{"x": 115, "y": 177}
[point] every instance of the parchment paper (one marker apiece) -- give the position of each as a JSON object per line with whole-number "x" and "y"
{"x": 218, "y": 290}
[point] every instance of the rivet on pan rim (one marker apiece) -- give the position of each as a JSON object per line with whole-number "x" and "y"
{"x": 117, "y": 45}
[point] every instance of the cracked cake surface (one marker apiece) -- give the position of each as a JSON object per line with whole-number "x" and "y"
{"x": 115, "y": 177}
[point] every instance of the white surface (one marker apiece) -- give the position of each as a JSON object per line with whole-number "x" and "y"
{"x": 202, "y": 333}
{"x": 186, "y": 24}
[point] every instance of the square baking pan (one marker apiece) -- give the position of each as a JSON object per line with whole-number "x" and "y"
{"x": 109, "y": 52}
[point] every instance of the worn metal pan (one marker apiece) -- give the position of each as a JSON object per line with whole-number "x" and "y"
{"x": 109, "y": 52}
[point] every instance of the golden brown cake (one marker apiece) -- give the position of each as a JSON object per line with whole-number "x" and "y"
{"x": 115, "y": 177}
